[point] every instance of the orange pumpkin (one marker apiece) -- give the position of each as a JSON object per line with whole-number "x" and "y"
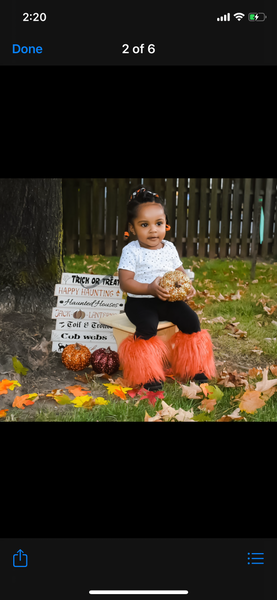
{"x": 76, "y": 357}
{"x": 177, "y": 284}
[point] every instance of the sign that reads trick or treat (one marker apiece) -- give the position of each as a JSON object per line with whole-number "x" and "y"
{"x": 82, "y": 300}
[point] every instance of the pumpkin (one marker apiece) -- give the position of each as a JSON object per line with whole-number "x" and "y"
{"x": 79, "y": 314}
{"x": 76, "y": 357}
{"x": 177, "y": 284}
{"x": 105, "y": 360}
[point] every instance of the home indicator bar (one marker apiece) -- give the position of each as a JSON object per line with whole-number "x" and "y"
{"x": 142, "y": 592}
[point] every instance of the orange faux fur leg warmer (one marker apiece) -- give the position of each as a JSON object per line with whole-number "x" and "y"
{"x": 143, "y": 360}
{"x": 191, "y": 354}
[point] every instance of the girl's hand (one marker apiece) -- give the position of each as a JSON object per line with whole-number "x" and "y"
{"x": 155, "y": 290}
{"x": 191, "y": 294}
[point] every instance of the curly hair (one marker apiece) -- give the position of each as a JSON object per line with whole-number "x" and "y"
{"x": 137, "y": 198}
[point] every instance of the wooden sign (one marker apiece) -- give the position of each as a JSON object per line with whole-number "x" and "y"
{"x": 107, "y": 304}
{"x": 80, "y": 292}
{"x": 73, "y": 312}
{"x": 82, "y": 325}
{"x": 82, "y": 300}
{"x": 82, "y": 336}
{"x": 85, "y": 279}
{"x": 60, "y": 346}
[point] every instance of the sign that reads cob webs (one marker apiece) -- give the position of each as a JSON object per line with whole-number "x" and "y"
{"x": 82, "y": 300}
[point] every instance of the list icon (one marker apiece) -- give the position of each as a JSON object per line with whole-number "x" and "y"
{"x": 255, "y": 558}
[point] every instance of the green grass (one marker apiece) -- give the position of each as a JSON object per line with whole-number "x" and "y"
{"x": 216, "y": 276}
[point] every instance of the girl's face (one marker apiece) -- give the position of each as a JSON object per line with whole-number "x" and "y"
{"x": 149, "y": 226}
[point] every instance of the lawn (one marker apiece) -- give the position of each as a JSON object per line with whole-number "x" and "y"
{"x": 241, "y": 317}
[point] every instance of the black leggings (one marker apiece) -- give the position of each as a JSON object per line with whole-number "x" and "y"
{"x": 145, "y": 314}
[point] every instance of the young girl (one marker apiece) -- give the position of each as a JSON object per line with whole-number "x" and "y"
{"x": 142, "y": 264}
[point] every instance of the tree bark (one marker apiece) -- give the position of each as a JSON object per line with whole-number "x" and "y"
{"x": 31, "y": 253}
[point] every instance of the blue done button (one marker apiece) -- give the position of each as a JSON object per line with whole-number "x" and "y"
{"x": 26, "y": 49}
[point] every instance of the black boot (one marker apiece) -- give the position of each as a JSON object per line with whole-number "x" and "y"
{"x": 153, "y": 386}
{"x": 200, "y": 378}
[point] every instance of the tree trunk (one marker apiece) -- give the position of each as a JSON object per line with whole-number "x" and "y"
{"x": 31, "y": 259}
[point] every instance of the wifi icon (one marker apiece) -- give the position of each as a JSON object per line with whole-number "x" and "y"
{"x": 239, "y": 16}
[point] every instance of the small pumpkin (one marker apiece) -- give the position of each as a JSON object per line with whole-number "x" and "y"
{"x": 76, "y": 357}
{"x": 79, "y": 314}
{"x": 105, "y": 360}
{"x": 177, "y": 284}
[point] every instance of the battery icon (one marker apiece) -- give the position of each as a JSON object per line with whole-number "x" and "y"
{"x": 257, "y": 16}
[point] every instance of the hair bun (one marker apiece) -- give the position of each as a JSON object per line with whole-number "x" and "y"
{"x": 137, "y": 193}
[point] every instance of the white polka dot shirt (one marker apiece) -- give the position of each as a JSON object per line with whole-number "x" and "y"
{"x": 149, "y": 264}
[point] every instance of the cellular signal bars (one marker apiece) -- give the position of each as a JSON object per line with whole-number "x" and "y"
{"x": 224, "y": 18}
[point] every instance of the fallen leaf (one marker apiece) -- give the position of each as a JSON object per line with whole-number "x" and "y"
{"x": 191, "y": 390}
{"x": 251, "y": 401}
{"x": 119, "y": 392}
{"x": 218, "y": 320}
{"x": 204, "y": 387}
{"x": 111, "y": 387}
{"x": 167, "y": 412}
{"x": 208, "y": 404}
{"x": 235, "y": 415}
{"x": 254, "y": 372}
{"x": 43, "y": 346}
{"x": 266, "y": 383}
{"x": 25, "y": 399}
{"x": 64, "y": 399}
{"x": 120, "y": 381}
{"x": 202, "y": 417}
{"x": 3, "y": 412}
{"x": 18, "y": 367}
{"x": 77, "y": 390}
{"x": 89, "y": 403}
{"x": 8, "y": 384}
{"x": 103, "y": 375}
{"x": 184, "y": 415}
{"x": 155, "y": 418}
{"x": 101, "y": 401}
{"x": 270, "y": 310}
{"x": 236, "y": 296}
{"x": 79, "y": 400}
{"x": 151, "y": 396}
{"x": 86, "y": 377}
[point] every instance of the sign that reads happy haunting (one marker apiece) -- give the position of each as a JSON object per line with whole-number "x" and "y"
{"x": 82, "y": 300}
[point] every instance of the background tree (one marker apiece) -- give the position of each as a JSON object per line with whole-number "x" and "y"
{"x": 31, "y": 257}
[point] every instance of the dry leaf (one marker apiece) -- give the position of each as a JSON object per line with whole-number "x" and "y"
{"x": 25, "y": 399}
{"x": 167, "y": 411}
{"x": 266, "y": 383}
{"x": 191, "y": 391}
{"x": 208, "y": 404}
{"x": 251, "y": 401}
{"x": 184, "y": 415}
{"x": 155, "y": 418}
{"x": 3, "y": 412}
{"x": 77, "y": 390}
